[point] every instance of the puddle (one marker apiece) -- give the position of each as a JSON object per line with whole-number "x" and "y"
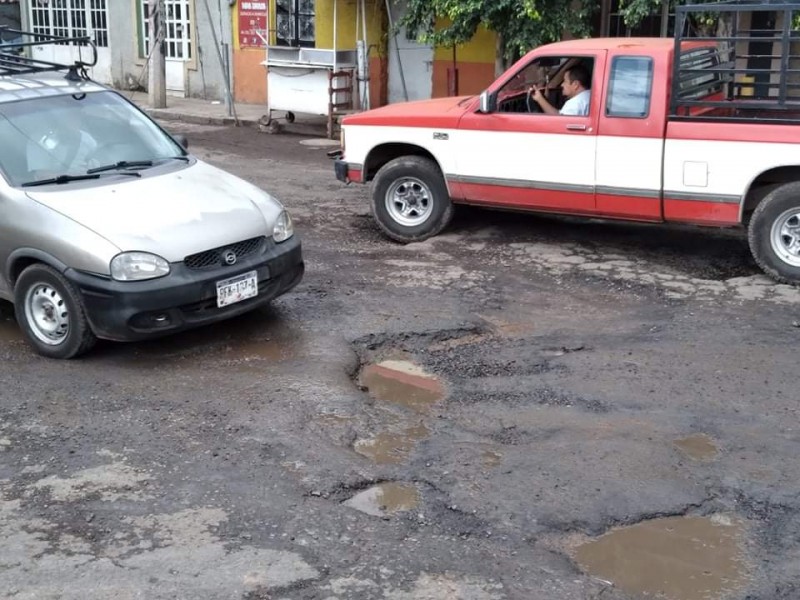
{"x": 404, "y": 383}
{"x": 491, "y": 459}
{"x": 333, "y": 419}
{"x": 390, "y": 448}
{"x": 677, "y": 558}
{"x": 320, "y": 142}
{"x": 698, "y": 447}
{"x": 263, "y": 350}
{"x": 385, "y": 499}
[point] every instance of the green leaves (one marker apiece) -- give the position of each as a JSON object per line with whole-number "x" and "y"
{"x": 520, "y": 24}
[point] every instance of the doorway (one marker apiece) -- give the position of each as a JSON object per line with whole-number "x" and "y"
{"x": 410, "y": 63}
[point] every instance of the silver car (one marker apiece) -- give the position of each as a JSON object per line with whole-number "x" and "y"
{"x": 110, "y": 229}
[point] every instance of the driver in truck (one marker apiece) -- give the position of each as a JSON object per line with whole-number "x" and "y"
{"x": 575, "y": 87}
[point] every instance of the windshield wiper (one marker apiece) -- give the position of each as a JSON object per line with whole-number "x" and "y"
{"x": 61, "y": 179}
{"x": 123, "y": 164}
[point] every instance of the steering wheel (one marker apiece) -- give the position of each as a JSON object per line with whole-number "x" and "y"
{"x": 531, "y": 104}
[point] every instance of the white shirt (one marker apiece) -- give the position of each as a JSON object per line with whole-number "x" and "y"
{"x": 578, "y": 104}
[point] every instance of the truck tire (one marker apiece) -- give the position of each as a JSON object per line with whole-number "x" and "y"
{"x": 410, "y": 201}
{"x": 51, "y": 314}
{"x": 774, "y": 234}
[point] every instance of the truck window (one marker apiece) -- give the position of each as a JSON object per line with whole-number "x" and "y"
{"x": 630, "y": 87}
{"x": 546, "y": 73}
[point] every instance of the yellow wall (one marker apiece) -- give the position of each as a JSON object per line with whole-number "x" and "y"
{"x": 474, "y": 62}
{"x": 480, "y": 49}
{"x": 346, "y": 18}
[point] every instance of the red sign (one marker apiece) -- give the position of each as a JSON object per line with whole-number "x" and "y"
{"x": 253, "y": 24}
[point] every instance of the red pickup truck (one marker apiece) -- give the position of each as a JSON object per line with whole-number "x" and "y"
{"x": 678, "y": 130}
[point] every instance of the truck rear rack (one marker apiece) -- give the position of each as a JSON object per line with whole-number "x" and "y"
{"x": 747, "y": 68}
{"x": 14, "y": 60}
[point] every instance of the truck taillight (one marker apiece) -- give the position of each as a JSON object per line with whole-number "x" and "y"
{"x": 341, "y": 139}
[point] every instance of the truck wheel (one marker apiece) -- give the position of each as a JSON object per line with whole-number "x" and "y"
{"x": 51, "y": 314}
{"x": 410, "y": 201}
{"x": 774, "y": 234}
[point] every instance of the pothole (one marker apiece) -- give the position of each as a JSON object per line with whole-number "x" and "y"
{"x": 698, "y": 447}
{"x": 385, "y": 499}
{"x": 404, "y": 383}
{"x": 676, "y": 558}
{"x": 391, "y": 448}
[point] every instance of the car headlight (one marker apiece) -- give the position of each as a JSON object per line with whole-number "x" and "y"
{"x": 283, "y": 229}
{"x": 136, "y": 266}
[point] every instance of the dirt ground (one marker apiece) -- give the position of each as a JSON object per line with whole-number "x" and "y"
{"x": 523, "y": 407}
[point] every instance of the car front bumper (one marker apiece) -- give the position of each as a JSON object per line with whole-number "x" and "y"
{"x": 137, "y": 310}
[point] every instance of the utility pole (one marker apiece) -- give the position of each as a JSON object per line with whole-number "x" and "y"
{"x": 157, "y": 69}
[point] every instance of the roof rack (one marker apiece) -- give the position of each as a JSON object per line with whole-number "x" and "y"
{"x": 750, "y": 71}
{"x": 13, "y": 61}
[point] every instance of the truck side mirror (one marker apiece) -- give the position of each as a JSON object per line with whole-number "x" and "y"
{"x": 488, "y": 102}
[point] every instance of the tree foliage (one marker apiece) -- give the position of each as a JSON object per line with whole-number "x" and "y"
{"x": 519, "y": 24}
{"x": 635, "y": 11}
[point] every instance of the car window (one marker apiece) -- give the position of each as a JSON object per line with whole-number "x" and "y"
{"x": 69, "y": 134}
{"x": 630, "y": 87}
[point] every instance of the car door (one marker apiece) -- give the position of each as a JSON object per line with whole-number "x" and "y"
{"x": 515, "y": 157}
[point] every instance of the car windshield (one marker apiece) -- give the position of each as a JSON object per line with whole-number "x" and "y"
{"x": 65, "y": 136}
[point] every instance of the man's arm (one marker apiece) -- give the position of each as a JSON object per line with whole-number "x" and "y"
{"x": 539, "y": 98}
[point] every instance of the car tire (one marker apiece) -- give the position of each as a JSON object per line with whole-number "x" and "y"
{"x": 51, "y": 314}
{"x": 774, "y": 234}
{"x": 410, "y": 201}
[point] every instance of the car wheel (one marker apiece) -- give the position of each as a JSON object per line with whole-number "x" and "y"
{"x": 51, "y": 314}
{"x": 774, "y": 234}
{"x": 410, "y": 201}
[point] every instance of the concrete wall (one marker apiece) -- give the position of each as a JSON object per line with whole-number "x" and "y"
{"x": 203, "y": 75}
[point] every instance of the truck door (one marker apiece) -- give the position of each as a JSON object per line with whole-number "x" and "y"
{"x": 520, "y": 157}
{"x": 630, "y": 143}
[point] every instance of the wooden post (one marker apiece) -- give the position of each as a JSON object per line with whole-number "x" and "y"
{"x": 157, "y": 69}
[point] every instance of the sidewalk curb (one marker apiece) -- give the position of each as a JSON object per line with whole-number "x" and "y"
{"x": 182, "y": 117}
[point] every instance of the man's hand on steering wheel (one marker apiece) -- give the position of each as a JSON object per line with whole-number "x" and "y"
{"x": 532, "y": 99}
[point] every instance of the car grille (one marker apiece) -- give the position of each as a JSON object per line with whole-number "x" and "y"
{"x": 211, "y": 259}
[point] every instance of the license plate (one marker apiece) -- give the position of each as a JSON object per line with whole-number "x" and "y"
{"x": 236, "y": 289}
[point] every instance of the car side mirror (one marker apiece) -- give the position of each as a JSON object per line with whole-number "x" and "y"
{"x": 488, "y": 102}
{"x": 182, "y": 140}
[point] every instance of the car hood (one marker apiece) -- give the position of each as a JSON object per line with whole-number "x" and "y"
{"x": 172, "y": 214}
{"x": 440, "y": 112}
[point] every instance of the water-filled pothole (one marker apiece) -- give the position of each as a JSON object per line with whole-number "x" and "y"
{"x": 676, "y": 558}
{"x": 698, "y": 447}
{"x": 391, "y": 447}
{"x": 385, "y": 499}
{"x": 404, "y": 383}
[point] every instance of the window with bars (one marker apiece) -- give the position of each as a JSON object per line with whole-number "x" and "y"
{"x": 71, "y": 18}
{"x": 178, "y": 25}
{"x": 295, "y": 22}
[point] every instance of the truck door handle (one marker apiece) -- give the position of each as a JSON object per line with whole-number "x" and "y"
{"x": 576, "y": 127}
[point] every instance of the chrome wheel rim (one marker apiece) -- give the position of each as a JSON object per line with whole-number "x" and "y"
{"x": 409, "y": 202}
{"x": 46, "y": 313}
{"x": 785, "y": 237}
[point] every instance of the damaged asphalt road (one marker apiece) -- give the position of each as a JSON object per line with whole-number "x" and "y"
{"x": 521, "y": 408}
